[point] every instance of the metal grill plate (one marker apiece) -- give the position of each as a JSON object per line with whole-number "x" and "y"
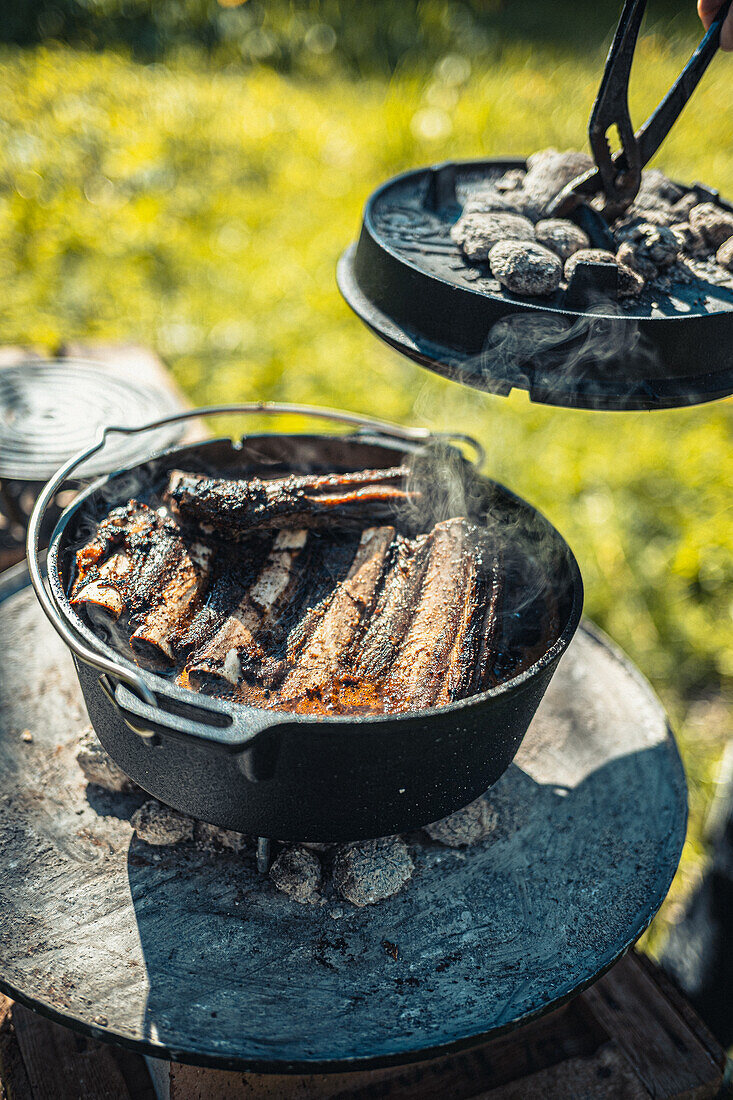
{"x": 183, "y": 954}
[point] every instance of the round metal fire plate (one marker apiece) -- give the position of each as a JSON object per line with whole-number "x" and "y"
{"x": 192, "y": 955}
{"x": 409, "y": 282}
{"x": 50, "y": 409}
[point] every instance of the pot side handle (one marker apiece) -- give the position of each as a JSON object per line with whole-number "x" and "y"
{"x": 222, "y": 733}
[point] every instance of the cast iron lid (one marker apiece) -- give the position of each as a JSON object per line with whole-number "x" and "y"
{"x": 408, "y": 280}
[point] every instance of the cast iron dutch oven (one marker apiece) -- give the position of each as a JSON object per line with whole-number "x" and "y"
{"x": 289, "y": 776}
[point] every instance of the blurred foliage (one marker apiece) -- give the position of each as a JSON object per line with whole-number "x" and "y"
{"x": 200, "y": 206}
{"x": 311, "y": 35}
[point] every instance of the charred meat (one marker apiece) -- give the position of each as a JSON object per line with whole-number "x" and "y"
{"x": 188, "y": 573}
{"x": 434, "y": 662}
{"x": 394, "y": 609}
{"x": 102, "y": 598}
{"x": 237, "y": 506}
{"x": 311, "y": 593}
{"x": 326, "y": 656}
{"x": 152, "y": 578}
{"x": 236, "y": 647}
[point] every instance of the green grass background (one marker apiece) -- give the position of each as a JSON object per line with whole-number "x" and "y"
{"x": 198, "y": 202}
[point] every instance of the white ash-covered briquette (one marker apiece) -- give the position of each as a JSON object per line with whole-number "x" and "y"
{"x": 689, "y": 240}
{"x": 625, "y": 254}
{"x": 213, "y": 838}
{"x": 713, "y": 222}
{"x": 297, "y": 873}
{"x": 629, "y": 283}
{"x": 548, "y": 172}
{"x": 653, "y": 215}
{"x": 487, "y": 199}
{"x": 465, "y": 827}
{"x": 656, "y": 199}
{"x": 159, "y": 825}
{"x": 372, "y": 870}
{"x": 512, "y": 180}
{"x": 681, "y": 209}
{"x": 99, "y": 767}
{"x": 478, "y": 233}
{"x": 521, "y": 202}
{"x": 724, "y": 255}
{"x": 657, "y": 186}
{"x": 652, "y": 248}
{"x": 561, "y": 236}
{"x": 525, "y": 267}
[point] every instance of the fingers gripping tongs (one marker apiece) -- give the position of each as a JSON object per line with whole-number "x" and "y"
{"x": 619, "y": 176}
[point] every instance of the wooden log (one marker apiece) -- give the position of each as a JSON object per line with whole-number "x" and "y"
{"x": 668, "y": 1057}
{"x": 63, "y": 1065}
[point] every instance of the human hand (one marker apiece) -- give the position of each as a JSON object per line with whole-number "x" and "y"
{"x": 707, "y": 10}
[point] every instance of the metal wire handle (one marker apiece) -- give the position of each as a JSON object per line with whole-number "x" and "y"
{"x": 103, "y": 664}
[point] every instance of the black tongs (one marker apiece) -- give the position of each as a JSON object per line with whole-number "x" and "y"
{"x": 619, "y": 175}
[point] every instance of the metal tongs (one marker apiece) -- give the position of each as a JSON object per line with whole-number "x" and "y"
{"x": 619, "y": 176}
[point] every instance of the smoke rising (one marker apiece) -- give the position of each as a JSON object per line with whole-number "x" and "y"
{"x": 533, "y": 557}
{"x": 605, "y": 347}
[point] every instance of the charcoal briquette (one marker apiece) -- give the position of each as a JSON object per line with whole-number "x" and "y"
{"x": 525, "y": 267}
{"x": 630, "y": 283}
{"x": 466, "y": 826}
{"x": 478, "y": 233}
{"x": 713, "y": 222}
{"x": 653, "y": 247}
{"x": 561, "y": 236}
{"x": 99, "y": 767}
{"x": 158, "y": 824}
{"x": 213, "y": 838}
{"x": 724, "y": 255}
{"x": 372, "y": 870}
{"x": 297, "y": 873}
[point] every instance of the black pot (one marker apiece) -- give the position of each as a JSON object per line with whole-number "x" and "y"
{"x": 290, "y": 776}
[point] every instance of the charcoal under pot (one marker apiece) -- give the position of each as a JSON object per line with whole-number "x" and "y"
{"x": 283, "y": 775}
